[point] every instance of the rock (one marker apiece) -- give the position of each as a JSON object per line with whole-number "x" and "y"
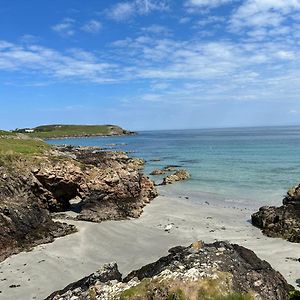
{"x": 155, "y": 159}
{"x": 200, "y": 271}
{"x": 157, "y": 172}
{"x": 179, "y": 175}
{"x": 97, "y": 186}
{"x": 283, "y": 221}
{"x": 168, "y": 227}
{"x": 108, "y": 272}
{"x": 171, "y": 168}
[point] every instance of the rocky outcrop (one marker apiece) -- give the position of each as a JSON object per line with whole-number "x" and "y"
{"x": 85, "y": 287}
{"x": 157, "y": 172}
{"x": 200, "y": 271}
{"x": 179, "y": 175}
{"x": 165, "y": 170}
{"x": 105, "y": 185}
{"x": 25, "y": 220}
{"x": 283, "y": 221}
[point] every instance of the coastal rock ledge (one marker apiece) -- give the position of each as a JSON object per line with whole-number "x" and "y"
{"x": 283, "y": 221}
{"x": 82, "y": 183}
{"x": 201, "y": 271}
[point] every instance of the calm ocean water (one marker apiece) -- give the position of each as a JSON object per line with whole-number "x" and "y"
{"x": 251, "y": 165}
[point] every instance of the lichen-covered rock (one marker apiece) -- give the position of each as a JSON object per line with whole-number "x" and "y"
{"x": 201, "y": 271}
{"x": 88, "y": 286}
{"x": 283, "y": 221}
{"x": 179, "y": 175}
{"x": 106, "y": 186}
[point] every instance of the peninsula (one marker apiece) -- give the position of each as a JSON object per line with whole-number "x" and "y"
{"x": 64, "y": 131}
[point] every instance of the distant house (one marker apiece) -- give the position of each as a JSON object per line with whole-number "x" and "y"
{"x": 29, "y": 130}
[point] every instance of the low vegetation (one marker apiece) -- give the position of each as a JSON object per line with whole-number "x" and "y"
{"x": 10, "y": 146}
{"x": 206, "y": 289}
{"x": 6, "y": 133}
{"x": 59, "y": 131}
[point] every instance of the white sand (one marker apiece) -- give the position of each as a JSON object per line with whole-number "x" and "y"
{"x": 134, "y": 243}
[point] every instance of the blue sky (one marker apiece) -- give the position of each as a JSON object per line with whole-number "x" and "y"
{"x": 150, "y": 64}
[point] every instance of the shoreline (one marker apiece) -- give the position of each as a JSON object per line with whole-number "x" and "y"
{"x": 136, "y": 242}
{"x": 87, "y": 136}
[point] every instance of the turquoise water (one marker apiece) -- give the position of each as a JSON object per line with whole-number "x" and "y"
{"x": 253, "y": 165}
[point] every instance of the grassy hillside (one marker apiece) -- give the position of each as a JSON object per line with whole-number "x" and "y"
{"x": 12, "y": 143}
{"x": 6, "y": 133}
{"x": 59, "y": 131}
{"x": 22, "y": 146}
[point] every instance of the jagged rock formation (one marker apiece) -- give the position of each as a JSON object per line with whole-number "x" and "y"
{"x": 106, "y": 185}
{"x": 283, "y": 221}
{"x": 179, "y": 175}
{"x": 201, "y": 271}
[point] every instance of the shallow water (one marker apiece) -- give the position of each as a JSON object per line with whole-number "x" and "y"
{"x": 249, "y": 165}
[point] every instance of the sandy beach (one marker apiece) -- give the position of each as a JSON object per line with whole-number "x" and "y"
{"x": 134, "y": 243}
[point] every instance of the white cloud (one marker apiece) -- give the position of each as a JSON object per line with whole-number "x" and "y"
{"x": 92, "y": 26}
{"x": 184, "y": 20}
{"x": 125, "y": 10}
{"x": 211, "y": 20}
{"x": 238, "y": 69}
{"x": 121, "y": 11}
{"x": 157, "y": 29}
{"x": 65, "y": 28}
{"x": 204, "y": 6}
{"x": 206, "y": 3}
{"x": 263, "y": 13}
{"x": 77, "y": 65}
{"x": 29, "y": 38}
{"x": 152, "y": 97}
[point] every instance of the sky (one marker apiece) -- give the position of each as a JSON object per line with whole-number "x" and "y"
{"x": 150, "y": 64}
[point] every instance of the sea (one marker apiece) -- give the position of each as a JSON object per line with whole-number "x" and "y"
{"x": 248, "y": 166}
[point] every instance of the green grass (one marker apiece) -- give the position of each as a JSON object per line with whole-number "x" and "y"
{"x": 236, "y": 297}
{"x": 59, "y": 131}
{"x": 6, "y": 133}
{"x": 20, "y": 146}
{"x": 174, "y": 289}
{"x": 294, "y": 295}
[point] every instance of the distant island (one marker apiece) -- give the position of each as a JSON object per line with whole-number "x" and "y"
{"x": 63, "y": 131}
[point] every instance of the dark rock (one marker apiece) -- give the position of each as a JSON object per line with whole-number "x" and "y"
{"x": 107, "y": 273}
{"x": 171, "y": 168}
{"x": 225, "y": 268}
{"x": 283, "y": 221}
{"x": 14, "y": 286}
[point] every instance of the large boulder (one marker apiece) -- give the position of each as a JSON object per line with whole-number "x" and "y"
{"x": 200, "y": 271}
{"x": 283, "y": 221}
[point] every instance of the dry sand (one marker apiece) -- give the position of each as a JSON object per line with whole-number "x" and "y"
{"x": 134, "y": 243}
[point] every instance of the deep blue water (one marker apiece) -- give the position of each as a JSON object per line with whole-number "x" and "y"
{"x": 250, "y": 164}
